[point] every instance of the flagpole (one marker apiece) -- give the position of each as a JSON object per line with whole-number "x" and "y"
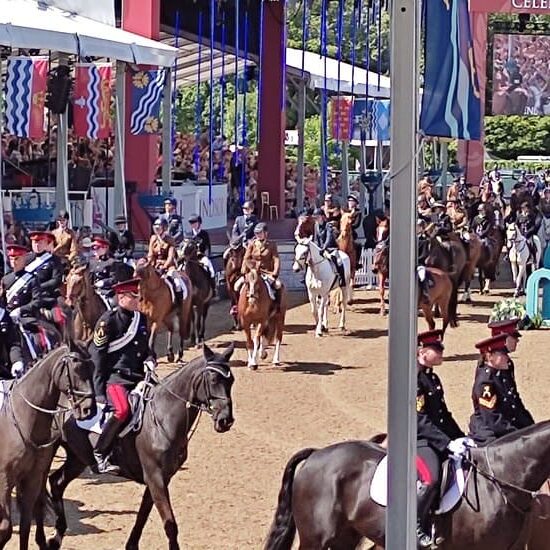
{"x": 3, "y": 226}
{"x": 120, "y": 178}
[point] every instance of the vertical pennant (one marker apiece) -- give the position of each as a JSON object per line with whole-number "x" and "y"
{"x": 147, "y": 92}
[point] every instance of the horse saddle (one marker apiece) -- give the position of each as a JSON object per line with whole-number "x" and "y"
{"x": 451, "y": 489}
{"x": 424, "y": 277}
{"x": 177, "y": 287}
{"x": 137, "y": 398}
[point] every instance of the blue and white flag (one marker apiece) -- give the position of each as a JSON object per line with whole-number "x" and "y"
{"x": 451, "y": 105}
{"x": 371, "y": 120}
{"x": 147, "y": 88}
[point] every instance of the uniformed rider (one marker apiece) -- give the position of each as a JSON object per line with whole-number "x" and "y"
{"x": 102, "y": 269}
{"x": 11, "y": 355}
{"x": 162, "y": 250}
{"x": 441, "y": 221}
{"x": 202, "y": 240}
{"x": 120, "y": 353}
{"x": 332, "y": 210}
{"x": 325, "y": 236}
{"x": 47, "y": 268}
{"x": 526, "y": 224}
{"x": 122, "y": 240}
{"x": 498, "y": 408}
{"x": 438, "y": 434}
{"x": 243, "y": 228}
{"x": 481, "y": 224}
{"x": 173, "y": 220}
{"x": 66, "y": 246}
{"x": 262, "y": 254}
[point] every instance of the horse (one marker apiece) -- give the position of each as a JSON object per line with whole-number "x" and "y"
{"x": 201, "y": 293}
{"x": 155, "y": 453}
{"x": 255, "y": 307}
{"x": 234, "y": 257}
{"x": 158, "y": 304}
{"x": 381, "y": 260}
{"x": 347, "y": 245}
{"x": 88, "y": 305}
{"x": 439, "y": 295}
{"x": 320, "y": 280}
{"x": 488, "y": 263}
{"x": 544, "y": 234}
{"x": 520, "y": 256}
{"x": 305, "y": 227}
{"x": 327, "y": 500}
{"x": 26, "y": 426}
{"x": 474, "y": 253}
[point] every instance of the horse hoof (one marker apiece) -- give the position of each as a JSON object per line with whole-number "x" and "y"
{"x": 324, "y": 329}
{"x": 318, "y": 335}
{"x": 54, "y": 544}
{"x": 263, "y": 355}
{"x": 170, "y": 357}
{"x": 252, "y": 366}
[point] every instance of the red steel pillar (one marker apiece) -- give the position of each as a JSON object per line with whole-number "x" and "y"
{"x": 271, "y": 157}
{"x": 141, "y": 152}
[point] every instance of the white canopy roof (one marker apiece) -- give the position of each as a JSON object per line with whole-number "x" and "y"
{"x": 314, "y": 66}
{"x": 26, "y": 24}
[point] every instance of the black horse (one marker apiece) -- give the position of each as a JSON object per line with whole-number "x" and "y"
{"x": 154, "y": 454}
{"x": 202, "y": 292}
{"x": 328, "y": 499}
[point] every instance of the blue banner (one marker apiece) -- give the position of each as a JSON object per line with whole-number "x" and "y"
{"x": 371, "y": 120}
{"x": 147, "y": 89}
{"x": 451, "y": 105}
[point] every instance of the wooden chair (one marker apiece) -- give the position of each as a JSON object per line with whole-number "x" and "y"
{"x": 273, "y": 211}
{"x": 264, "y": 203}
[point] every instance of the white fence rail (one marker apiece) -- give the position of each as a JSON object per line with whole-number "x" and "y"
{"x": 364, "y": 276}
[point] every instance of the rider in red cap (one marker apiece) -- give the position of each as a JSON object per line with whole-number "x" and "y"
{"x": 102, "y": 269}
{"x": 120, "y": 351}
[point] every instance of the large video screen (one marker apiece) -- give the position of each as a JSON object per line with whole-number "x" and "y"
{"x": 521, "y": 74}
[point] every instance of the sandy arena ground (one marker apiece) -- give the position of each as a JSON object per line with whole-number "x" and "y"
{"x": 328, "y": 390}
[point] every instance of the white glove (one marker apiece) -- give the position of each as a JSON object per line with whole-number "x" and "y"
{"x": 150, "y": 365}
{"x": 457, "y": 447}
{"x": 16, "y": 314}
{"x": 469, "y": 442}
{"x": 99, "y": 284}
{"x": 17, "y": 369}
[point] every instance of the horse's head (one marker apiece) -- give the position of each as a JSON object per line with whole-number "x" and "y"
{"x": 144, "y": 269}
{"x": 76, "y": 284}
{"x": 74, "y": 379}
{"x": 301, "y": 255}
{"x": 215, "y": 389}
{"x": 512, "y": 234}
{"x": 383, "y": 230}
{"x": 346, "y": 223}
{"x": 189, "y": 250}
{"x": 306, "y": 226}
{"x": 251, "y": 280}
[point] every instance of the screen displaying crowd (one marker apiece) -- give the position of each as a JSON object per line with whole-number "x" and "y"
{"x": 521, "y": 74}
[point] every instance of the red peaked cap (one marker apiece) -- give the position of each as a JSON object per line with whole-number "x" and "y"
{"x": 16, "y": 250}
{"x": 495, "y": 343}
{"x": 100, "y": 242}
{"x": 508, "y": 327}
{"x": 431, "y": 338}
{"x": 132, "y": 285}
{"x": 41, "y": 236}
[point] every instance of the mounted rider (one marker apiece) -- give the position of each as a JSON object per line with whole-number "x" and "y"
{"x": 263, "y": 255}
{"x": 173, "y": 220}
{"x": 162, "y": 254}
{"x": 120, "y": 352}
{"x": 102, "y": 270}
{"x": 122, "y": 240}
{"x": 201, "y": 238}
{"x": 356, "y": 215}
{"x": 332, "y": 210}
{"x": 527, "y": 227}
{"x": 498, "y": 408}
{"x": 459, "y": 221}
{"x": 47, "y": 268}
{"x": 66, "y": 246}
{"x": 438, "y": 434}
{"x": 11, "y": 355}
{"x": 481, "y": 224}
{"x": 325, "y": 236}
{"x": 243, "y": 228}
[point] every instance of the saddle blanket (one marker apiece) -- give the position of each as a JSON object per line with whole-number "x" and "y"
{"x": 379, "y": 487}
{"x": 270, "y": 290}
{"x": 5, "y": 386}
{"x": 137, "y": 407}
{"x": 175, "y": 284}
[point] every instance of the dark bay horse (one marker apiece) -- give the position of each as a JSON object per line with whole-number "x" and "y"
{"x": 201, "y": 293}
{"x": 440, "y": 294}
{"x": 234, "y": 257}
{"x": 156, "y": 453}
{"x": 327, "y": 500}
{"x": 87, "y": 304}
{"x": 157, "y": 303}
{"x": 26, "y": 420}
{"x": 381, "y": 259}
{"x": 489, "y": 259}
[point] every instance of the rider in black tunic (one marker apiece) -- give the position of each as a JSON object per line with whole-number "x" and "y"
{"x": 122, "y": 240}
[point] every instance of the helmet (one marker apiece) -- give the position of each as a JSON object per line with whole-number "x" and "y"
{"x": 195, "y": 218}
{"x": 248, "y": 205}
{"x": 171, "y": 200}
{"x": 260, "y": 228}
{"x": 319, "y": 212}
{"x": 160, "y": 222}
{"x": 63, "y": 215}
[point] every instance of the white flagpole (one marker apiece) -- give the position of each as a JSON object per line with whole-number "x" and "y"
{"x": 3, "y": 225}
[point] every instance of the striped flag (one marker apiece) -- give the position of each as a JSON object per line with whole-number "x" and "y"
{"x": 26, "y": 85}
{"x": 147, "y": 88}
{"x": 92, "y": 100}
{"x": 451, "y": 103}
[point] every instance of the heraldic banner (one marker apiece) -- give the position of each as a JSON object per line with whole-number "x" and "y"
{"x": 26, "y": 84}
{"x": 92, "y": 100}
{"x": 147, "y": 88}
{"x": 451, "y": 104}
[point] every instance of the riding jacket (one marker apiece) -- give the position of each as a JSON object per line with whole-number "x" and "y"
{"x": 102, "y": 270}
{"x": 10, "y": 344}
{"x": 526, "y": 224}
{"x": 498, "y": 408}
{"x": 66, "y": 247}
{"x": 443, "y": 224}
{"x": 481, "y": 226}
{"x": 175, "y": 226}
{"x": 356, "y": 218}
{"x": 119, "y": 348}
{"x": 243, "y": 228}
{"x": 202, "y": 239}
{"x": 20, "y": 291}
{"x": 162, "y": 252}
{"x": 333, "y": 213}
{"x": 265, "y": 255}
{"x": 122, "y": 243}
{"x": 435, "y": 424}
{"x": 325, "y": 237}
{"x": 48, "y": 270}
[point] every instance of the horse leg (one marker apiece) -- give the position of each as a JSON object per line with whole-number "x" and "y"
{"x": 28, "y": 492}
{"x": 59, "y": 481}
{"x": 322, "y": 315}
{"x": 39, "y": 507}
{"x": 428, "y": 315}
{"x": 382, "y": 292}
{"x": 257, "y": 343}
{"x": 252, "y": 364}
{"x": 161, "y": 498}
{"x": 342, "y": 325}
{"x": 141, "y": 519}
{"x": 278, "y": 339}
{"x": 263, "y": 347}
{"x": 6, "y": 528}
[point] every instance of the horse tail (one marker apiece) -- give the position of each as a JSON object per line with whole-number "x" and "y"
{"x": 283, "y": 530}
{"x": 453, "y": 306}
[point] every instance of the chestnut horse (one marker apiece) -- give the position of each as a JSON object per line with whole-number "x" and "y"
{"x": 255, "y": 307}
{"x": 81, "y": 296}
{"x": 234, "y": 256}
{"x": 157, "y": 304}
{"x": 440, "y": 295}
{"x": 474, "y": 253}
{"x": 381, "y": 260}
{"x": 347, "y": 245}
{"x": 305, "y": 227}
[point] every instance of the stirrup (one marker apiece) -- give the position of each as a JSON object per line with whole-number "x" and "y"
{"x": 104, "y": 466}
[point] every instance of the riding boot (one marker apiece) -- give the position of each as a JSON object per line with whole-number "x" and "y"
{"x": 213, "y": 286}
{"x": 426, "y": 495}
{"x": 341, "y": 275}
{"x": 425, "y": 291}
{"x": 104, "y": 445}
